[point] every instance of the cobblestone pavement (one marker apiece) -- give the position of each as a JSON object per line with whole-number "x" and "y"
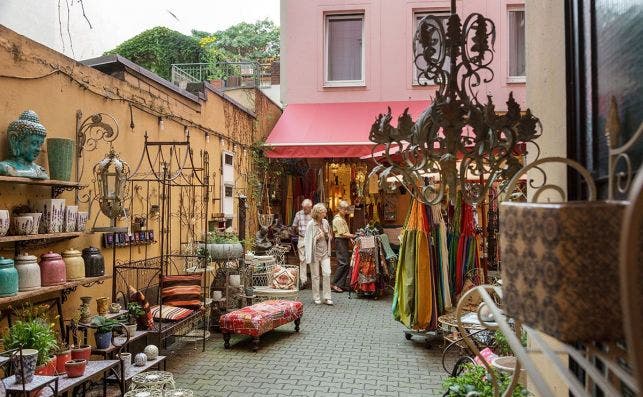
{"x": 352, "y": 349}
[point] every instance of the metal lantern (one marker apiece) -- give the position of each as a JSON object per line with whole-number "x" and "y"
{"x": 111, "y": 185}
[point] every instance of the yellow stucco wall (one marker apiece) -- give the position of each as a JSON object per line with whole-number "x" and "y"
{"x": 56, "y": 87}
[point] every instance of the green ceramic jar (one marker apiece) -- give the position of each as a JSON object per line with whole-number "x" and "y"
{"x": 60, "y": 153}
{"x": 8, "y": 278}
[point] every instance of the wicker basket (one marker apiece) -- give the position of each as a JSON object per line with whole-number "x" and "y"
{"x": 560, "y": 267}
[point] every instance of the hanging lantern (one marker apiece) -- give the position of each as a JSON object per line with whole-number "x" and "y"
{"x": 111, "y": 185}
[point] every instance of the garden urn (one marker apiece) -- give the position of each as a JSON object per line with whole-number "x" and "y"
{"x": 60, "y": 153}
{"x": 74, "y": 264}
{"x": 52, "y": 269}
{"x": 8, "y": 277}
{"x": 94, "y": 262}
{"x": 83, "y": 309}
{"x": 28, "y": 272}
{"x": 24, "y": 367}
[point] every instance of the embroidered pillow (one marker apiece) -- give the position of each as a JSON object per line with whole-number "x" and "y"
{"x": 145, "y": 321}
{"x": 284, "y": 278}
{"x": 170, "y": 313}
{"x": 181, "y": 291}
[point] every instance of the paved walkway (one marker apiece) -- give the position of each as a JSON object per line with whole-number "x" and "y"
{"x": 354, "y": 348}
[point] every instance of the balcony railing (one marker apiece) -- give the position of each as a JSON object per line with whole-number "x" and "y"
{"x": 223, "y": 74}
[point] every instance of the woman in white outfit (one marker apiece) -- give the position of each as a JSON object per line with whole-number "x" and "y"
{"x": 317, "y": 246}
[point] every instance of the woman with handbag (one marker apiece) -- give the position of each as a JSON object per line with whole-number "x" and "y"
{"x": 317, "y": 246}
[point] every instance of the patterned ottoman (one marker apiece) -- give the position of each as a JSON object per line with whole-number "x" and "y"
{"x": 260, "y": 318}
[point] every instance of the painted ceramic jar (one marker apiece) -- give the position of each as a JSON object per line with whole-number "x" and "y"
{"x": 53, "y": 215}
{"x": 52, "y": 269}
{"x": 28, "y": 272}
{"x": 74, "y": 264}
{"x": 94, "y": 262}
{"x": 8, "y": 277}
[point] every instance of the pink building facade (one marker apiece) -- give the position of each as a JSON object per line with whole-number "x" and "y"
{"x": 350, "y": 51}
{"x": 387, "y": 36}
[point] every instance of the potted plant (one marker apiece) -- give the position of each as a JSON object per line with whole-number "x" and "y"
{"x": 129, "y": 320}
{"x": 224, "y": 246}
{"x": 63, "y": 354}
{"x": 34, "y": 334}
{"x": 475, "y": 381}
{"x": 78, "y": 351}
{"x": 103, "y": 335}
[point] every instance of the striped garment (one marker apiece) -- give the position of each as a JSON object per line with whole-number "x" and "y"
{"x": 146, "y": 321}
{"x": 181, "y": 291}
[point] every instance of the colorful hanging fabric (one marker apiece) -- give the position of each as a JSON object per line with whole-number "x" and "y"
{"x": 453, "y": 237}
{"x": 467, "y": 260}
{"x": 439, "y": 232}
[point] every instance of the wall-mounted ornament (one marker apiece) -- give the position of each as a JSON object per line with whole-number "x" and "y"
{"x": 26, "y": 136}
{"x": 111, "y": 186}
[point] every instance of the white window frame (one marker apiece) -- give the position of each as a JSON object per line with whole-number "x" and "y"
{"x": 344, "y": 83}
{"x": 227, "y": 180}
{"x": 418, "y": 15}
{"x": 515, "y": 79}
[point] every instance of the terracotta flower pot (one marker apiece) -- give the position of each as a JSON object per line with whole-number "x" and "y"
{"x": 47, "y": 369}
{"x": 61, "y": 359}
{"x": 75, "y": 368}
{"x": 83, "y": 352}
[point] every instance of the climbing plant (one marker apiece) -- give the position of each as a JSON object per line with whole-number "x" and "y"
{"x": 158, "y": 48}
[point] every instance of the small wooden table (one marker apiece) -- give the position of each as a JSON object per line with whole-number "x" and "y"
{"x": 38, "y": 382}
{"x": 96, "y": 368}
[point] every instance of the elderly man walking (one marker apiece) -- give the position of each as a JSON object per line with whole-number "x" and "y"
{"x": 299, "y": 224}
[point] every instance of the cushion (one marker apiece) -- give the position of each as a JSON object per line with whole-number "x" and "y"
{"x": 284, "y": 278}
{"x": 181, "y": 291}
{"x": 146, "y": 321}
{"x": 261, "y": 317}
{"x": 170, "y": 313}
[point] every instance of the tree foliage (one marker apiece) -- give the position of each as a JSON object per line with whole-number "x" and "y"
{"x": 257, "y": 41}
{"x": 158, "y": 48}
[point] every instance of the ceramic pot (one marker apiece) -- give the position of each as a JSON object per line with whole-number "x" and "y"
{"x": 126, "y": 361}
{"x": 151, "y": 352}
{"x": 52, "y": 269}
{"x": 74, "y": 264}
{"x": 61, "y": 359}
{"x": 4, "y": 222}
{"x": 22, "y": 225}
{"x": 60, "y": 155}
{"x": 221, "y": 252}
{"x": 83, "y": 352}
{"x": 53, "y": 215}
{"x": 234, "y": 280}
{"x": 85, "y": 313}
{"x": 36, "y": 221}
{"x": 28, "y": 272}
{"x": 115, "y": 308}
{"x": 81, "y": 220}
{"x": 8, "y": 278}
{"x": 75, "y": 368}
{"x": 140, "y": 359}
{"x": 103, "y": 340}
{"x": 26, "y": 366}
{"x": 94, "y": 262}
{"x": 47, "y": 369}
{"x": 102, "y": 305}
{"x": 71, "y": 214}
{"x": 131, "y": 328}
{"x": 560, "y": 267}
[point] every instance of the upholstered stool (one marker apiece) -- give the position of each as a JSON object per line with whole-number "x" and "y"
{"x": 260, "y": 318}
{"x": 153, "y": 380}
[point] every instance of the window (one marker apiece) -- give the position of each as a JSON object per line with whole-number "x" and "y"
{"x": 228, "y": 190}
{"x": 227, "y": 184}
{"x": 344, "y": 50}
{"x": 227, "y": 159}
{"x": 443, "y": 17}
{"x": 516, "y": 46}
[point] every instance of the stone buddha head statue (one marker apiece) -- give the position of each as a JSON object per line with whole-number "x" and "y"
{"x": 26, "y": 136}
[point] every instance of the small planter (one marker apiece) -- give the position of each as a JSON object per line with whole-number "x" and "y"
{"x": 104, "y": 340}
{"x": 61, "y": 359}
{"x": 219, "y": 252}
{"x": 83, "y": 352}
{"x": 507, "y": 364}
{"x": 47, "y": 369}
{"x": 75, "y": 368}
{"x": 131, "y": 329}
{"x": 28, "y": 365}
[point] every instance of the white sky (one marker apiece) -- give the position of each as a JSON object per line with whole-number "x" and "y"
{"x": 115, "y": 21}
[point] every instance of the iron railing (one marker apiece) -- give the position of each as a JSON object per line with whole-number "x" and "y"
{"x": 228, "y": 74}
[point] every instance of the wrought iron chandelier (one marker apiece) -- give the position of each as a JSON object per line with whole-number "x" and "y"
{"x": 457, "y": 143}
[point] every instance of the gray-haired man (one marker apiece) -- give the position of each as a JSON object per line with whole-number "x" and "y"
{"x": 299, "y": 224}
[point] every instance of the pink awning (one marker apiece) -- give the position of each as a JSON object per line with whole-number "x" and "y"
{"x": 331, "y": 130}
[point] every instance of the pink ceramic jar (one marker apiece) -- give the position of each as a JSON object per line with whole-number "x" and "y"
{"x": 52, "y": 269}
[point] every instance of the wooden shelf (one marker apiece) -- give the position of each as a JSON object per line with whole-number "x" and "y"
{"x": 44, "y": 236}
{"x": 38, "y": 382}
{"x": 70, "y": 285}
{"x": 41, "y": 182}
